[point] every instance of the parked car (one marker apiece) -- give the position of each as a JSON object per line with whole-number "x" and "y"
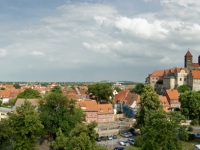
{"x": 125, "y": 135}
{"x": 103, "y": 138}
{"x": 118, "y": 148}
{"x": 129, "y": 134}
{"x": 98, "y": 139}
{"x": 124, "y": 143}
{"x": 109, "y": 137}
{"x": 114, "y": 136}
{"x": 131, "y": 141}
{"x": 134, "y": 133}
{"x": 197, "y": 135}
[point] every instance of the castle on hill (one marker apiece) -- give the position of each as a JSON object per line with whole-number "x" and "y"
{"x": 175, "y": 77}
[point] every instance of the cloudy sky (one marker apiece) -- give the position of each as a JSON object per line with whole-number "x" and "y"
{"x": 94, "y": 40}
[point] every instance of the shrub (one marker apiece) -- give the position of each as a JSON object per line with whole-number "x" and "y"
{"x": 194, "y": 122}
{"x": 190, "y": 129}
{"x": 139, "y": 142}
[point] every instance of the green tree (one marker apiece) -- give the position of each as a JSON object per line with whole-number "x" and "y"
{"x": 29, "y": 93}
{"x": 57, "y": 111}
{"x": 149, "y": 102}
{"x": 183, "y": 88}
{"x": 82, "y": 137}
{"x": 17, "y": 86}
{"x": 2, "y": 88}
{"x": 117, "y": 89}
{"x": 56, "y": 89}
{"x": 26, "y": 127}
{"x": 5, "y": 134}
{"x": 100, "y": 91}
{"x": 160, "y": 131}
{"x": 139, "y": 89}
{"x": 190, "y": 104}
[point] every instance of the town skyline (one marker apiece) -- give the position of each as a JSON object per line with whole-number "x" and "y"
{"x": 91, "y": 41}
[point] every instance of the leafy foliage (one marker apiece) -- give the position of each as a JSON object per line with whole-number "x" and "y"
{"x": 57, "y": 111}
{"x": 5, "y": 134}
{"x": 190, "y": 104}
{"x": 117, "y": 89}
{"x": 148, "y": 104}
{"x": 26, "y": 127}
{"x": 17, "y": 86}
{"x": 183, "y": 88}
{"x": 81, "y": 137}
{"x": 160, "y": 131}
{"x": 57, "y": 89}
{"x": 100, "y": 91}
{"x": 29, "y": 93}
{"x": 139, "y": 89}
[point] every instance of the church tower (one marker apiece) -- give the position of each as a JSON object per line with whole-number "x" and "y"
{"x": 188, "y": 60}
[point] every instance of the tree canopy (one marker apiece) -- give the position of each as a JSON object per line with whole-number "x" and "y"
{"x": 57, "y": 89}
{"x": 139, "y": 89}
{"x": 160, "y": 131}
{"x": 190, "y": 104}
{"x": 100, "y": 91}
{"x": 29, "y": 93}
{"x": 84, "y": 134}
{"x": 17, "y": 86}
{"x": 26, "y": 127}
{"x": 183, "y": 88}
{"x": 149, "y": 102}
{"x": 57, "y": 111}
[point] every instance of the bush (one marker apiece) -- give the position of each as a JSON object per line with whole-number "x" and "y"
{"x": 194, "y": 122}
{"x": 138, "y": 142}
{"x": 190, "y": 129}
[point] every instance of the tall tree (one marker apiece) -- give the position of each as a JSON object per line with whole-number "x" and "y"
{"x": 149, "y": 102}
{"x": 160, "y": 131}
{"x": 190, "y": 104}
{"x": 183, "y": 88}
{"x": 139, "y": 89}
{"x": 100, "y": 91}
{"x": 81, "y": 137}
{"x": 57, "y": 111}
{"x": 29, "y": 93}
{"x": 26, "y": 127}
{"x": 5, "y": 134}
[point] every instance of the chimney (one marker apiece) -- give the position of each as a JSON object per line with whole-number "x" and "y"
{"x": 199, "y": 60}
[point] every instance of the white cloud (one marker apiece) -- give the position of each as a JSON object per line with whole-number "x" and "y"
{"x": 3, "y": 52}
{"x": 36, "y": 53}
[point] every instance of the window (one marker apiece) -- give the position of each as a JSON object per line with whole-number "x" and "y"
{"x": 88, "y": 114}
{"x": 2, "y": 114}
{"x": 180, "y": 79}
{"x": 184, "y": 79}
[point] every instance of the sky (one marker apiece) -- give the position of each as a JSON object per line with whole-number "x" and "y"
{"x": 95, "y": 40}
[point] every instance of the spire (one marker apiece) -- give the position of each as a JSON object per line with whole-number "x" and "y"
{"x": 188, "y": 53}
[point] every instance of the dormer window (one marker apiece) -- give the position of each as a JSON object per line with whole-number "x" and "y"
{"x": 101, "y": 110}
{"x": 110, "y": 110}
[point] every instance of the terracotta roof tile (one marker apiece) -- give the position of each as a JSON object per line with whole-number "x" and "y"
{"x": 105, "y": 109}
{"x": 196, "y": 74}
{"x": 172, "y": 93}
{"x": 188, "y": 53}
{"x": 157, "y": 73}
{"x": 120, "y": 96}
{"x": 195, "y": 65}
{"x": 164, "y": 101}
{"x": 88, "y": 105}
{"x": 5, "y": 93}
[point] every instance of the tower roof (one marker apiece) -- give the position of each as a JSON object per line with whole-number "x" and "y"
{"x": 188, "y": 54}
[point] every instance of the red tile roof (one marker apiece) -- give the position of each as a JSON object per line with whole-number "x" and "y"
{"x": 188, "y": 53}
{"x": 195, "y": 65}
{"x": 120, "y": 96}
{"x": 105, "y": 109}
{"x": 88, "y": 105}
{"x": 172, "y": 93}
{"x": 5, "y": 93}
{"x": 157, "y": 73}
{"x": 196, "y": 74}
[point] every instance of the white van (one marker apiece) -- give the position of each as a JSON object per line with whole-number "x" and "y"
{"x": 197, "y": 147}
